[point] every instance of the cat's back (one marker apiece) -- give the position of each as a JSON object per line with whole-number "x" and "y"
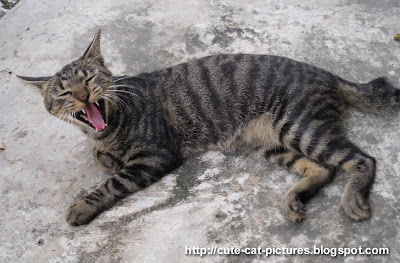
{"x": 238, "y": 73}
{"x": 239, "y": 83}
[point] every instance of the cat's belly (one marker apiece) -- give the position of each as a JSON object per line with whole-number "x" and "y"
{"x": 259, "y": 134}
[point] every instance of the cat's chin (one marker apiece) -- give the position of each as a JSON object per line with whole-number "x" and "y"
{"x": 92, "y": 117}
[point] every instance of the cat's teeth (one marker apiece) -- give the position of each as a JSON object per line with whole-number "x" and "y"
{"x": 83, "y": 110}
{"x": 97, "y": 103}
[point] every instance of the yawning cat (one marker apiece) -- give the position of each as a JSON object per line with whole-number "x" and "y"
{"x": 143, "y": 127}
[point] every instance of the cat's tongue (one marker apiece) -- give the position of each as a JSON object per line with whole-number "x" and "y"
{"x": 95, "y": 117}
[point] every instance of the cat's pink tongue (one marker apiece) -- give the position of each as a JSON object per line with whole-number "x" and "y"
{"x": 95, "y": 117}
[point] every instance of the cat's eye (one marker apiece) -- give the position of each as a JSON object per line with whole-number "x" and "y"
{"x": 89, "y": 79}
{"x": 65, "y": 93}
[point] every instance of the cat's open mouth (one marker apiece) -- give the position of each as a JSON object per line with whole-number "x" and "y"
{"x": 93, "y": 115}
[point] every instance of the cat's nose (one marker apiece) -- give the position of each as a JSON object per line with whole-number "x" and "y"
{"x": 84, "y": 97}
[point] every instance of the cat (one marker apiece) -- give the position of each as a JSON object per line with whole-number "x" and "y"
{"x": 144, "y": 127}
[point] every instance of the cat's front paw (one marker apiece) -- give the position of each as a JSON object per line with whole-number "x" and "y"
{"x": 355, "y": 205}
{"x": 81, "y": 213}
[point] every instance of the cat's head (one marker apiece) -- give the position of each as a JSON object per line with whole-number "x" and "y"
{"x": 76, "y": 93}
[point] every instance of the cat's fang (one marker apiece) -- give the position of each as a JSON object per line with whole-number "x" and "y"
{"x": 97, "y": 103}
{"x": 83, "y": 110}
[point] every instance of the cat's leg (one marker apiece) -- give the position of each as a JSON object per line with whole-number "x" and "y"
{"x": 340, "y": 151}
{"x": 144, "y": 169}
{"x": 107, "y": 162}
{"x": 315, "y": 177}
{"x": 332, "y": 148}
{"x": 322, "y": 140}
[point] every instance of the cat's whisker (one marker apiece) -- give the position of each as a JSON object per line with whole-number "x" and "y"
{"x": 63, "y": 122}
{"x": 122, "y": 79}
{"x": 70, "y": 118}
{"x": 124, "y": 91}
{"x": 119, "y": 102}
{"x": 114, "y": 87}
{"x": 127, "y": 92}
{"x": 67, "y": 119}
{"x": 46, "y": 121}
{"x": 70, "y": 121}
{"x": 58, "y": 123}
{"x": 104, "y": 96}
{"x": 123, "y": 86}
{"x": 54, "y": 125}
{"x": 112, "y": 94}
{"x": 126, "y": 77}
{"x": 117, "y": 99}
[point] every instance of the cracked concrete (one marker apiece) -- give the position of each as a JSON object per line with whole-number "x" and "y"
{"x": 216, "y": 198}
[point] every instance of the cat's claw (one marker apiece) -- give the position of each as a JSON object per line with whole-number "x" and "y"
{"x": 81, "y": 213}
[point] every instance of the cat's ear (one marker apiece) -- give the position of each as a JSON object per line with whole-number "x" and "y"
{"x": 93, "y": 52}
{"x": 39, "y": 82}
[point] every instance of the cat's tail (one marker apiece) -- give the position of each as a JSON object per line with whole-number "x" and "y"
{"x": 377, "y": 96}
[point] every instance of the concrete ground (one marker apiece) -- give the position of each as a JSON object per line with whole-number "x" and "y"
{"x": 215, "y": 199}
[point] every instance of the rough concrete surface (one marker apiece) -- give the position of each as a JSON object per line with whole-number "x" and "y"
{"x": 216, "y": 198}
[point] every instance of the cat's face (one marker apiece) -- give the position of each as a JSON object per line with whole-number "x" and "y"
{"x": 76, "y": 93}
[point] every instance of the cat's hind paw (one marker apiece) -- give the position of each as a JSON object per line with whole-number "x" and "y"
{"x": 355, "y": 205}
{"x": 291, "y": 207}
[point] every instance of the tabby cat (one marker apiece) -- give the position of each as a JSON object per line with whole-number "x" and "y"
{"x": 143, "y": 127}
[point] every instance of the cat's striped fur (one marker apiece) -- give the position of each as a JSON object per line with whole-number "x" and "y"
{"x": 289, "y": 109}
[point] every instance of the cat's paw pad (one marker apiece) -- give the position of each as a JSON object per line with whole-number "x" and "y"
{"x": 81, "y": 213}
{"x": 292, "y": 206}
{"x": 355, "y": 205}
